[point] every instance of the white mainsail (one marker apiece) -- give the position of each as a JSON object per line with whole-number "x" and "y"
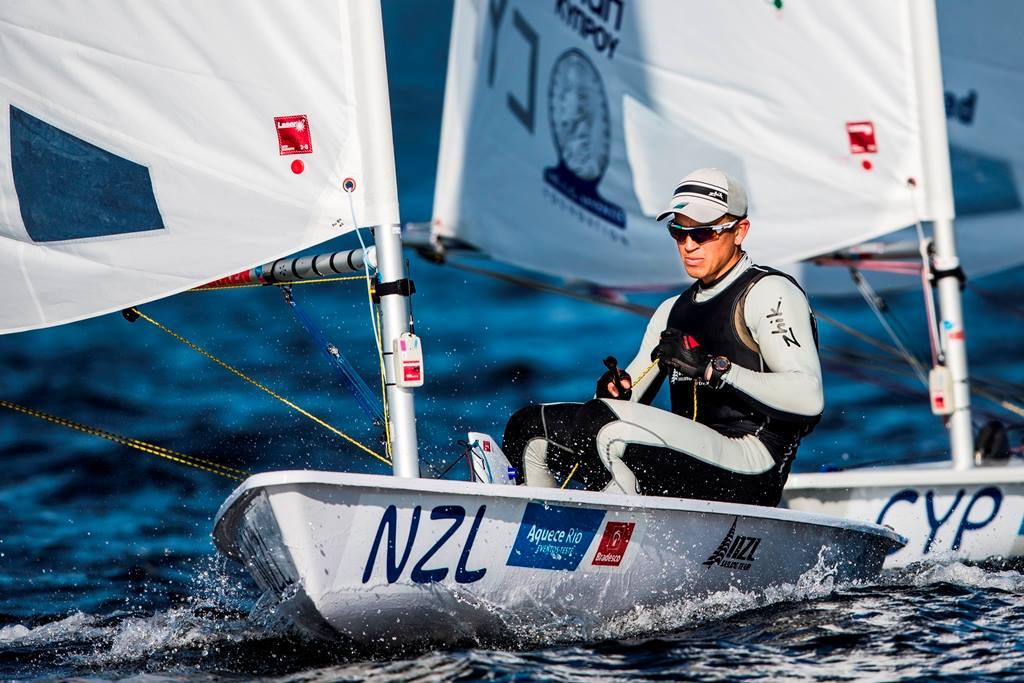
{"x": 566, "y": 126}
{"x": 148, "y": 147}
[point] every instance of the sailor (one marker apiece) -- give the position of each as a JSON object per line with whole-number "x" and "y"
{"x": 739, "y": 351}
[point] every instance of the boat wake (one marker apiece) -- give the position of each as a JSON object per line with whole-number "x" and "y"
{"x": 213, "y": 631}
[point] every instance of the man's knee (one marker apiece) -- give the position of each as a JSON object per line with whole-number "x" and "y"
{"x": 521, "y": 428}
{"x": 591, "y": 417}
{"x": 524, "y": 425}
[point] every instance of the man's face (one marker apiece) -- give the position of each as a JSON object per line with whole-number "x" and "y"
{"x": 707, "y": 261}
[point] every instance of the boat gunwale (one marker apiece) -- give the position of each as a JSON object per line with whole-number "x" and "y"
{"x": 287, "y": 478}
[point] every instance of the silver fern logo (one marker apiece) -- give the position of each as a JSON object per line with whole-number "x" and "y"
{"x": 734, "y": 552}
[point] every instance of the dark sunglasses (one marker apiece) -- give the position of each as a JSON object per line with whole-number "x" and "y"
{"x": 700, "y": 234}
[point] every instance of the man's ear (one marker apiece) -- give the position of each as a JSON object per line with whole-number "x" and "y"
{"x": 740, "y": 233}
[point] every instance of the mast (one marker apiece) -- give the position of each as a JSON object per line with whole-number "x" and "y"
{"x": 945, "y": 262}
{"x": 394, "y": 294}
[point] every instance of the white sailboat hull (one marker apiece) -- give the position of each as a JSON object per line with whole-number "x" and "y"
{"x": 373, "y": 558}
{"x": 971, "y": 515}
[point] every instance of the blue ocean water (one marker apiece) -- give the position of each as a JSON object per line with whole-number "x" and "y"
{"x": 107, "y": 569}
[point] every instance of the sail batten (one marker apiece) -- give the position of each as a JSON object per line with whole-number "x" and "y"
{"x": 148, "y": 148}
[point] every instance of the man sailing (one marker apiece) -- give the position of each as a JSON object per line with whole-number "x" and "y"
{"x": 739, "y": 349}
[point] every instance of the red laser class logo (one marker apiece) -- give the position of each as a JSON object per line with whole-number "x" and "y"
{"x": 293, "y": 136}
{"x": 862, "y": 140}
{"x": 613, "y": 544}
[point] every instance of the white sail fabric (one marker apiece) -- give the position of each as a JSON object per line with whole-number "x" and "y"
{"x": 567, "y": 125}
{"x": 148, "y": 147}
{"x": 983, "y": 80}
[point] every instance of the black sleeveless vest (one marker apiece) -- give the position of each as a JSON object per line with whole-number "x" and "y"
{"x": 718, "y": 328}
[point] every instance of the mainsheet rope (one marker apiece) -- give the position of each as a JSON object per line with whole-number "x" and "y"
{"x": 241, "y": 375}
{"x": 152, "y": 449}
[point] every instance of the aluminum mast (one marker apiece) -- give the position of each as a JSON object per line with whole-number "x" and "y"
{"x": 945, "y": 262}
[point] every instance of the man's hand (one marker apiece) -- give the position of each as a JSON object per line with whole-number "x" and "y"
{"x": 614, "y": 383}
{"x": 672, "y": 354}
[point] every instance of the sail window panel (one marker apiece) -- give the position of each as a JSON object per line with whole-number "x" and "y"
{"x": 70, "y": 189}
{"x": 984, "y": 184}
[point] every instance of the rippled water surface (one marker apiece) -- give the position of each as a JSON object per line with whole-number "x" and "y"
{"x": 106, "y": 565}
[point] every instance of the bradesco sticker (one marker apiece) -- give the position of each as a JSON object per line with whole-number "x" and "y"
{"x": 554, "y": 537}
{"x": 614, "y": 542}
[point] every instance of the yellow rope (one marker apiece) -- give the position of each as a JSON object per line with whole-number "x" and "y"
{"x": 152, "y": 449}
{"x": 378, "y": 336}
{"x": 569, "y": 478}
{"x": 644, "y": 373}
{"x": 217, "y": 288}
{"x": 637, "y": 381}
{"x": 694, "y": 418}
{"x": 238, "y": 373}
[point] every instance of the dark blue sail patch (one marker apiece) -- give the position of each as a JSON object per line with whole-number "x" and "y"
{"x": 981, "y": 183}
{"x": 70, "y": 189}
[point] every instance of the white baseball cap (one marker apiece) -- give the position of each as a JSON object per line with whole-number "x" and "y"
{"x": 706, "y": 195}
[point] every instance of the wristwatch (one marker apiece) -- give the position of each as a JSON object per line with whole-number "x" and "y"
{"x": 719, "y": 366}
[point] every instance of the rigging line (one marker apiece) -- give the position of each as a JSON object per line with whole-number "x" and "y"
{"x": 873, "y": 301}
{"x": 866, "y": 338}
{"x": 938, "y": 354}
{"x": 350, "y": 378}
{"x": 647, "y": 310}
{"x": 552, "y": 289}
{"x": 1002, "y": 403}
{"x": 383, "y": 381}
{"x": 375, "y": 324}
{"x": 1007, "y": 388}
{"x": 218, "y": 288}
{"x": 152, "y": 449}
{"x": 996, "y": 300}
{"x": 238, "y": 373}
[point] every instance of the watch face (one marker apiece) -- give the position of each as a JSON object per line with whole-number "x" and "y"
{"x": 579, "y": 115}
{"x": 721, "y": 364}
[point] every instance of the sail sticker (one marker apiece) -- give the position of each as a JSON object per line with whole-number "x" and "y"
{"x": 554, "y": 537}
{"x": 293, "y": 136}
{"x": 614, "y": 542}
{"x": 576, "y": 93}
{"x": 862, "y": 137}
{"x": 70, "y": 189}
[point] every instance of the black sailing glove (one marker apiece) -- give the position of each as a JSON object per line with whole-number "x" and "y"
{"x": 672, "y": 354}
{"x": 618, "y": 379}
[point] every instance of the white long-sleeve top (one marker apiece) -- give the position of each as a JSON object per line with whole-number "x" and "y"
{"x": 778, "y": 318}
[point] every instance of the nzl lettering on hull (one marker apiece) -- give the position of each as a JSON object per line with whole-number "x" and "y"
{"x": 396, "y": 548}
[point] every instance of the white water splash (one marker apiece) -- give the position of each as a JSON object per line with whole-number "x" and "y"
{"x": 213, "y": 614}
{"x": 816, "y": 582}
{"x": 77, "y": 626}
{"x": 949, "y": 570}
